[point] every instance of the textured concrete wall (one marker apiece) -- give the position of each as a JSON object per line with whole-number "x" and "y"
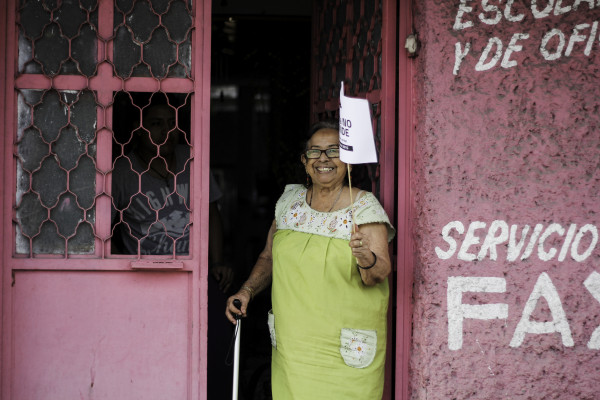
{"x": 507, "y": 276}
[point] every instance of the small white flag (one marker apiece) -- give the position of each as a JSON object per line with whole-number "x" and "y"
{"x": 357, "y": 145}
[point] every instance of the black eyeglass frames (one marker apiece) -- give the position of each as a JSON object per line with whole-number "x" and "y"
{"x": 333, "y": 152}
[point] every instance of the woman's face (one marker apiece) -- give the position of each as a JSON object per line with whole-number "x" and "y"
{"x": 324, "y": 171}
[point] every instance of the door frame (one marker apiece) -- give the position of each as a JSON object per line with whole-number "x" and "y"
{"x": 404, "y": 204}
{"x": 201, "y": 123}
{"x": 6, "y": 69}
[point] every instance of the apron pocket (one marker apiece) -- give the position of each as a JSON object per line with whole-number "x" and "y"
{"x": 271, "y": 323}
{"x": 358, "y": 347}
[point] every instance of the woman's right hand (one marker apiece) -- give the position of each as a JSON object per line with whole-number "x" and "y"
{"x": 231, "y": 311}
{"x": 259, "y": 279}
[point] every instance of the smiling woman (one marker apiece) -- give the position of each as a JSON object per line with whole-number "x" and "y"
{"x": 327, "y": 257}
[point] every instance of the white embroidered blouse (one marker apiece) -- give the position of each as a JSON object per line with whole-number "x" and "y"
{"x": 293, "y": 212}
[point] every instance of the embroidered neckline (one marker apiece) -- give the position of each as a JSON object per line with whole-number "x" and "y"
{"x": 305, "y": 192}
{"x": 312, "y": 193}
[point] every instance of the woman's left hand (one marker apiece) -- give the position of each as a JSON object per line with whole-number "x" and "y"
{"x": 370, "y": 247}
{"x": 359, "y": 243}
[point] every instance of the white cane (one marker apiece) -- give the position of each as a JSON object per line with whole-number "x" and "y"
{"x": 236, "y": 352}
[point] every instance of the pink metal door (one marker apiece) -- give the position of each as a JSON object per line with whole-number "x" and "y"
{"x": 355, "y": 42}
{"x": 79, "y": 319}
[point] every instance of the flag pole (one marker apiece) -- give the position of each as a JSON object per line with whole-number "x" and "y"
{"x": 351, "y": 202}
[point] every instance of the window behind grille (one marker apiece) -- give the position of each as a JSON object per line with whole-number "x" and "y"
{"x": 78, "y": 62}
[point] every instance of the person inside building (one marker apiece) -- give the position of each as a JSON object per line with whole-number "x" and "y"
{"x": 152, "y": 217}
{"x": 326, "y": 259}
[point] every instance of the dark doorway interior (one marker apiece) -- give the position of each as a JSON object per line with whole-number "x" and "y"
{"x": 259, "y": 116}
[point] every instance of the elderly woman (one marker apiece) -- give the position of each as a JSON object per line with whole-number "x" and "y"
{"x": 329, "y": 282}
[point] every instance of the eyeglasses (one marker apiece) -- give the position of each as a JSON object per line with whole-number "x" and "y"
{"x": 333, "y": 152}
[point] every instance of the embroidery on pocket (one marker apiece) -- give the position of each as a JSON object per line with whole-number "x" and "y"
{"x": 271, "y": 323}
{"x": 358, "y": 347}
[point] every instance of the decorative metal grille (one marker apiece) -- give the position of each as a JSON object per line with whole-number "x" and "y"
{"x": 72, "y": 132}
{"x": 57, "y": 37}
{"x": 151, "y": 174}
{"x": 152, "y": 38}
{"x": 56, "y": 149}
{"x": 348, "y": 48}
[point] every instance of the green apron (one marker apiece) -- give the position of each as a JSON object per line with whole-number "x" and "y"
{"x": 329, "y": 328}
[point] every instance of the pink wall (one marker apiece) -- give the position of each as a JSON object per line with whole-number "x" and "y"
{"x": 503, "y": 145}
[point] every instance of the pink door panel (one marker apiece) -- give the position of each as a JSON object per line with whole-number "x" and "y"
{"x": 103, "y": 335}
